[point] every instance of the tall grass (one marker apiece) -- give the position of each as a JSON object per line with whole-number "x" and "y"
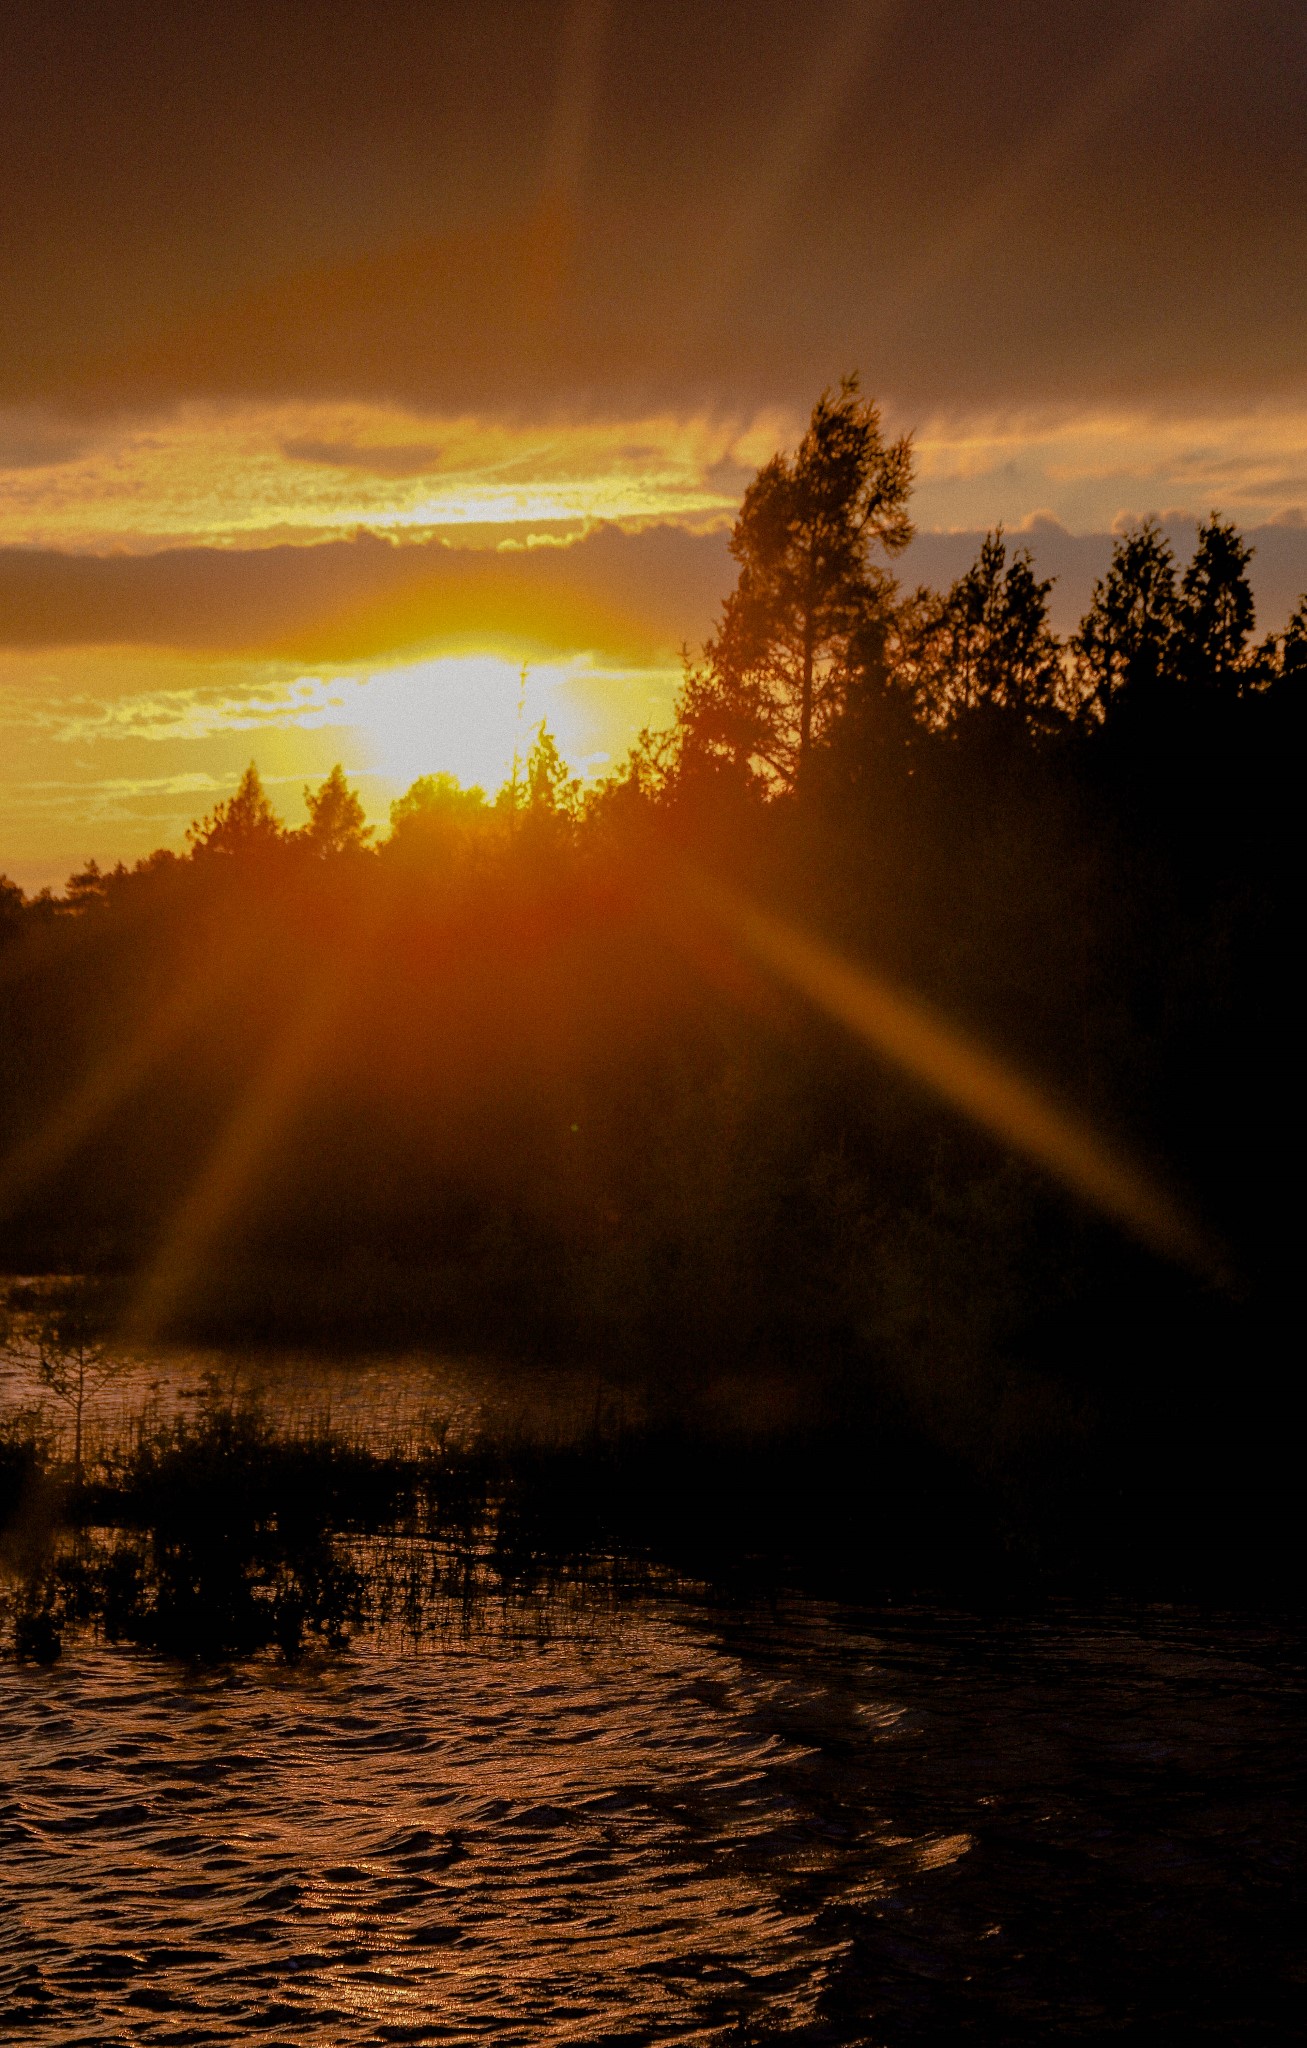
{"x": 227, "y": 1533}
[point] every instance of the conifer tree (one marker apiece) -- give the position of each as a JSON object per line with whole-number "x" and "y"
{"x": 1216, "y": 608}
{"x": 1127, "y": 638}
{"x": 337, "y": 821}
{"x": 241, "y": 825}
{"x": 773, "y": 675}
{"x": 1294, "y": 657}
{"x": 988, "y": 641}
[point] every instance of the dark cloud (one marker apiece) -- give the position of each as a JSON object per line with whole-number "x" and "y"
{"x": 631, "y": 594}
{"x": 525, "y": 206}
{"x": 628, "y": 594}
{"x": 34, "y": 442}
{"x": 399, "y": 459}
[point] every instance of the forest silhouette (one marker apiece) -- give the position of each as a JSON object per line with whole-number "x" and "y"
{"x": 522, "y": 1077}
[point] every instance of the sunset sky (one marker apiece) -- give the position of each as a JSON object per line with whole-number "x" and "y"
{"x": 353, "y": 355}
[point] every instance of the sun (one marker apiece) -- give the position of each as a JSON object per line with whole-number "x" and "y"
{"x": 469, "y": 715}
{"x": 461, "y": 715}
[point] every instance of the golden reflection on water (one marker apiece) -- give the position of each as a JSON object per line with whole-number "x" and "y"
{"x": 668, "y": 1823}
{"x": 505, "y": 1837}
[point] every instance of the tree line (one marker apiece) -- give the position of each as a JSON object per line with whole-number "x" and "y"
{"x": 491, "y": 1082}
{"x": 817, "y": 653}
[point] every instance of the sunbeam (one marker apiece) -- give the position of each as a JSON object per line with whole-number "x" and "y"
{"x": 834, "y": 74}
{"x": 123, "y": 1070}
{"x": 259, "y": 1120}
{"x": 1074, "y": 124}
{"x": 965, "y": 1074}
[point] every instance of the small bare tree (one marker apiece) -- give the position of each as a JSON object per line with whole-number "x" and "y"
{"x": 55, "y": 1330}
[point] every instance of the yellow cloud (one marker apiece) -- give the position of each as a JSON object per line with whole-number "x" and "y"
{"x": 242, "y": 473}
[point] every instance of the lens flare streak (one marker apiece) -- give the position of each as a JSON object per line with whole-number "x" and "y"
{"x": 992, "y": 1094}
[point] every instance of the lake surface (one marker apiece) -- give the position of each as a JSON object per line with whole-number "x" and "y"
{"x": 667, "y": 1822}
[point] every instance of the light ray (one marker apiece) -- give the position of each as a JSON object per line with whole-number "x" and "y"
{"x": 552, "y": 232}
{"x": 1073, "y": 125}
{"x": 984, "y": 1088}
{"x": 112, "y": 1082}
{"x": 260, "y": 1119}
{"x": 805, "y": 132}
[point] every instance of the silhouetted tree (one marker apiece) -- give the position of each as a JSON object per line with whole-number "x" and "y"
{"x": 56, "y": 1331}
{"x": 434, "y": 797}
{"x": 546, "y": 793}
{"x": 241, "y": 825}
{"x": 1216, "y": 612}
{"x": 88, "y": 887}
{"x": 13, "y": 901}
{"x": 337, "y": 821}
{"x": 868, "y": 747}
{"x": 773, "y": 674}
{"x": 987, "y": 642}
{"x": 550, "y": 784}
{"x": 1127, "y": 638}
{"x": 645, "y": 777}
{"x": 437, "y": 823}
{"x": 1293, "y": 659}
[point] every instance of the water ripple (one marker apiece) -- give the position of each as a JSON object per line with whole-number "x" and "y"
{"x": 684, "y": 1828}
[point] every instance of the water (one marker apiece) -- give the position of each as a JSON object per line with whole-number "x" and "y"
{"x": 667, "y": 1823}
{"x": 379, "y": 1401}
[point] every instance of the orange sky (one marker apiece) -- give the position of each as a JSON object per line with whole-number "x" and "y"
{"x": 352, "y": 355}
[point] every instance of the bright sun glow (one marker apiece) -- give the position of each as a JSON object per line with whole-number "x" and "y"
{"x": 459, "y": 715}
{"x": 84, "y": 774}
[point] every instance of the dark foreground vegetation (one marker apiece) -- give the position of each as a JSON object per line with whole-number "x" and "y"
{"x": 503, "y": 1083}
{"x": 219, "y": 1533}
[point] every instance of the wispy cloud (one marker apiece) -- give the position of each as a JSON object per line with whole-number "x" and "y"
{"x": 250, "y": 474}
{"x": 1090, "y": 468}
